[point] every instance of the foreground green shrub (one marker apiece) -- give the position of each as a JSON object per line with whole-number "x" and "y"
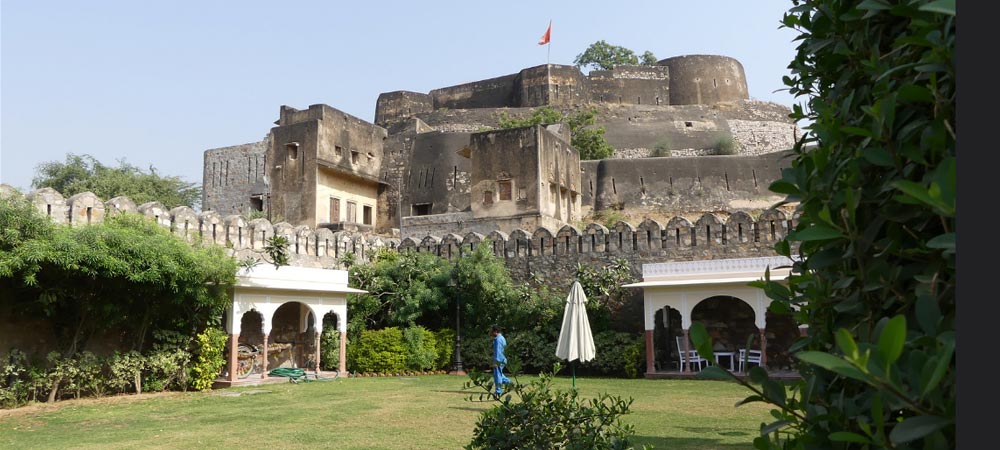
{"x": 875, "y": 276}
{"x": 537, "y": 416}
{"x": 210, "y": 351}
{"x": 381, "y": 351}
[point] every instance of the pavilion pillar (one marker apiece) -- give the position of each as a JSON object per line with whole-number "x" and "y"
{"x": 234, "y": 342}
{"x": 317, "y": 352}
{"x": 342, "y": 366}
{"x": 650, "y": 367}
{"x": 263, "y": 364}
{"x": 763, "y": 349}
{"x": 687, "y": 351}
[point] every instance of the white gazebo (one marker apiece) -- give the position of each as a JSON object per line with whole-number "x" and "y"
{"x": 265, "y": 288}
{"x": 682, "y": 285}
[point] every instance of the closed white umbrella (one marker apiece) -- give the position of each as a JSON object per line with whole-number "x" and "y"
{"x": 576, "y": 342}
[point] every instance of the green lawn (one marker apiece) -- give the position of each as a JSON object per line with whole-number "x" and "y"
{"x": 426, "y": 412}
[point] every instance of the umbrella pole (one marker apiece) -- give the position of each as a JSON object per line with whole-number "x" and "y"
{"x": 573, "y": 368}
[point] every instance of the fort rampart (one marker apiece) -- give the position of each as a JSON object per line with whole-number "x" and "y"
{"x": 542, "y": 253}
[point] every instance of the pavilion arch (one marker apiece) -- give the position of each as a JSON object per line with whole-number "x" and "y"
{"x": 310, "y": 295}
{"x": 682, "y": 286}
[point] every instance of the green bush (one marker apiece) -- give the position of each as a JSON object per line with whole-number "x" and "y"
{"x": 616, "y": 354}
{"x": 535, "y": 349}
{"x": 726, "y": 145}
{"x": 661, "y": 149}
{"x": 381, "y": 351}
{"x": 329, "y": 343}
{"x": 875, "y": 276}
{"x": 420, "y": 348}
{"x": 445, "y": 347}
{"x": 210, "y": 357}
{"x": 125, "y": 371}
{"x": 166, "y": 369}
{"x": 540, "y": 417}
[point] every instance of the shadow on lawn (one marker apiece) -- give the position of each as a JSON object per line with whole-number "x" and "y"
{"x": 688, "y": 443}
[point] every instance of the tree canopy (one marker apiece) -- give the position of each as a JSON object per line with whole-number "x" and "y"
{"x": 83, "y": 173}
{"x": 588, "y": 140}
{"x": 604, "y": 56}
{"x": 126, "y": 273}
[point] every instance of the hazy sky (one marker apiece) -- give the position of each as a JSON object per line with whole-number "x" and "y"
{"x": 158, "y": 83}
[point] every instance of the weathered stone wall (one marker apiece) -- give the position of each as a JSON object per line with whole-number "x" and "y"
{"x": 232, "y": 175}
{"x": 398, "y": 105}
{"x": 631, "y": 85}
{"x": 705, "y": 183}
{"x": 492, "y": 93}
{"x": 705, "y": 79}
{"x": 322, "y": 139}
{"x": 436, "y": 174}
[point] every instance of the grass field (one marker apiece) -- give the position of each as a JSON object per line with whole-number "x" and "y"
{"x": 425, "y": 412}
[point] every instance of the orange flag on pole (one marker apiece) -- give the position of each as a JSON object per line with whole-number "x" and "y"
{"x": 548, "y": 34}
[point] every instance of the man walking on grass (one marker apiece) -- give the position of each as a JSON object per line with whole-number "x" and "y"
{"x": 499, "y": 359}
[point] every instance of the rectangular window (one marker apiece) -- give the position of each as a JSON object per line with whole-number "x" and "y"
{"x": 352, "y": 212}
{"x": 354, "y": 156}
{"x": 505, "y": 189}
{"x": 488, "y": 198}
{"x": 334, "y": 210}
{"x": 421, "y": 209}
{"x": 366, "y": 215}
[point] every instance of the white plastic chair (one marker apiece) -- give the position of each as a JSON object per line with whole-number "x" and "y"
{"x": 691, "y": 356}
{"x": 749, "y": 357}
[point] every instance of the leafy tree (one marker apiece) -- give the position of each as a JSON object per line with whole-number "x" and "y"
{"x": 590, "y": 142}
{"x": 875, "y": 281}
{"x": 83, "y": 173}
{"x": 127, "y": 273}
{"x": 404, "y": 289}
{"x": 602, "y": 55}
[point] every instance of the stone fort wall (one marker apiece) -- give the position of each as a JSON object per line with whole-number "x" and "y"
{"x": 540, "y": 254}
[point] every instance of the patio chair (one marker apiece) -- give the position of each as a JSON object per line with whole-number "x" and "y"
{"x": 691, "y": 356}
{"x": 749, "y": 357}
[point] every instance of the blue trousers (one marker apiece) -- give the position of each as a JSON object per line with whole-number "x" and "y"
{"x": 499, "y": 378}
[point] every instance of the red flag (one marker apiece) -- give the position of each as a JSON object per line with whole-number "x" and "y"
{"x": 545, "y": 37}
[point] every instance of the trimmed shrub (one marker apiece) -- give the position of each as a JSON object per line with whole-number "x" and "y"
{"x": 381, "y": 351}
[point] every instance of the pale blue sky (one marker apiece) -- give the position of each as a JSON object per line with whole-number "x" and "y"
{"x": 158, "y": 83}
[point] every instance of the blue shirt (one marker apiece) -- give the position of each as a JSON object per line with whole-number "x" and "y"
{"x": 499, "y": 343}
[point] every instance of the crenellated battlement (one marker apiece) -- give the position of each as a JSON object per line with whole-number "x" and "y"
{"x": 712, "y": 235}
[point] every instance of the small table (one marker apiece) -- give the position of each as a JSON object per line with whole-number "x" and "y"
{"x": 732, "y": 358}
